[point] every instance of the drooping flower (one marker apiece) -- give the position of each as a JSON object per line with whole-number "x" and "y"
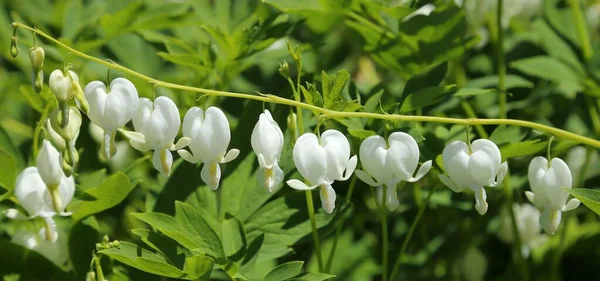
{"x": 156, "y": 126}
{"x": 60, "y": 84}
{"x": 527, "y": 218}
{"x": 43, "y": 191}
{"x": 65, "y": 138}
{"x": 321, "y": 162}
{"x": 267, "y": 142}
{"x": 473, "y": 167}
{"x": 549, "y": 183}
{"x": 390, "y": 164}
{"x": 125, "y": 153}
{"x": 210, "y": 136}
{"x": 111, "y": 110}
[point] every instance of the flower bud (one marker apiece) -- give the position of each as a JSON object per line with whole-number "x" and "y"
{"x": 292, "y": 120}
{"x": 60, "y": 85}
{"x": 71, "y": 130}
{"x": 14, "y": 46}
{"x": 91, "y": 276}
{"x": 37, "y": 55}
{"x": 37, "y": 80}
{"x": 284, "y": 70}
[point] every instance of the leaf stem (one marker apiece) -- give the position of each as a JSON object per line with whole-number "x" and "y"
{"x": 384, "y": 232}
{"x": 582, "y": 32}
{"x": 500, "y": 62}
{"x": 313, "y": 223}
{"x": 340, "y": 227}
{"x": 412, "y": 229}
{"x": 327, "y": 112}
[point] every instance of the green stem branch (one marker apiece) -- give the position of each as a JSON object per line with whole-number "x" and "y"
{"x": 339, "y": 227}
{"x": 412, "y": 229}
{"x": 313, "y": 223}
{"x": 327, "y": 112}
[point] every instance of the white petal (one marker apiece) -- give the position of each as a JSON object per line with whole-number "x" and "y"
{"x": 571, "y": 205}
{"x": 29, "y": 190}
{"x": 278, "y": 177}
{"x": 534, "y": 199}
{"x": 59, "y": 85}
{"x": 141, "y": 115}
{"x": 328, "y": 197}
{"x": 481, "y": 169}
{"x": 95, "y": 94}
{"x": 558, "y": 179}
{"x": 121, "y": 103}
{"x": 140, "y": 146}
{"x": 425, "y": 10}
{"x": 538, "y": 167}
{"x": 133, "y": 136}
{"x": 500, "y": 174}
{"x": 481, "y": 204}
{"x": 372, "y": 154}
{"x": 55, "y": 137}
{"x": 15, "y": 214}
{"x": 187, "y": 156}
{"x": 350, "y": 167}
{"x": 337, "y": 147}
{"x": 162, "y": 160}
{"x": 363, "y": 176}
{"x": 403, "y": 155}
{"x": 66, "y": 190}
{"x": 261, "y": 162}
{"x": 550, "y": 220}
{"x": 310, "y": 159}
{"x": 49, "y": 232}
{"x": 211, "y": 143}
{"x": 299, "y": 185}
{"x": 181, "y": 143}
{"x": 211, "y": 174}
{"x": 231, "y": 155}
{"x": 456, "y": 163}
{"x": 449, "y": 183}
{"x": 267, "y": 138}
{"x": 491, "y": 149}
{"x": 423, "y": 170}
{"x": 192, "y": 122}
{"x": 48, "y": 164}
{"x": 391, "y": 198}
{"x": 163, "y": 123}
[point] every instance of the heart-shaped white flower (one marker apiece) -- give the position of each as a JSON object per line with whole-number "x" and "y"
{"x": 550, "y": 183}
{"x": 321, "y": 162}
{"x": 111, "y": 110}
{"x": 157, "y": 125}
{"x": 267, "y": 142}
{"x": 210, "y": 136}
{"x": 389, "y": 164}
{"x": 473, "y": 168}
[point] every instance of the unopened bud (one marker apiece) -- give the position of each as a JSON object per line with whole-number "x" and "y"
{"x": 292, "y": 121}
{"x": 66, "y": 113}
{"x": 105, "y": 239}
{"x": 91, "y": 276}
{"x": 37, "y": 79}
{"x": 37, "y": 55}
{"x": 284, "y": 70}
{"x": 14, "y": 46}
{"x": 67, "y": 169}
{"x": 114, "y": 244}
{"x": 79, "y": 96}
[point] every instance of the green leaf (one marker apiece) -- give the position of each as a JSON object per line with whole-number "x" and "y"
{"x": 469, "y": 92}
{"x": 310, "y": 7}
{"x": 142, "y": 259}
{"x": 82, "y": 239}
{"x": 198, "y": 267}
{"x": 29, "y": 264}
{"x": 361, "y": 134}
{"x": 33, "y": 99}
{"x": 425, "y": 97}
{"x": 589, "y": 197}
{"x": 523, "y": 148}
{"x": 109, "y": 194}
{"x": 310, "y": 276}
{"x": 284, "y": 221}
{"x": 555, "y": 46}
{"x": 8, "y": 146}
{"x": 561, "y": 19}
{"x": 431, "y": 76}
{"x": 8, "y": 170}
{"x": 285, "y": 271}
{"x": 332, "y": 91}
{"x": 511, "y": 81}
{"x": 168, "y": 226}
{"x": 551, "y": 69}
{"x": 234, "y": 239}
{"x": 199, "y": 228}
{"x": 507, "y": 134}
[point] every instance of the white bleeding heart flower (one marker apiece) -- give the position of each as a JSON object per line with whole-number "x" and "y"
{"x": 321, "y": 162}
{"x": 550, "y": 183}
{"x": 111, "y": 110}
{"x": 390, "y": 164}
{"x": 56, "y": 251}
{"x": 60, "y": 83}
{"x": 267, "y": 142}
{"x": 44, "y": 190}
{"x": 473, "y": 168}
{"x": 530, "y": 232}
{"x": 157, "y": 125}
{"x": 210, "y": 136}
